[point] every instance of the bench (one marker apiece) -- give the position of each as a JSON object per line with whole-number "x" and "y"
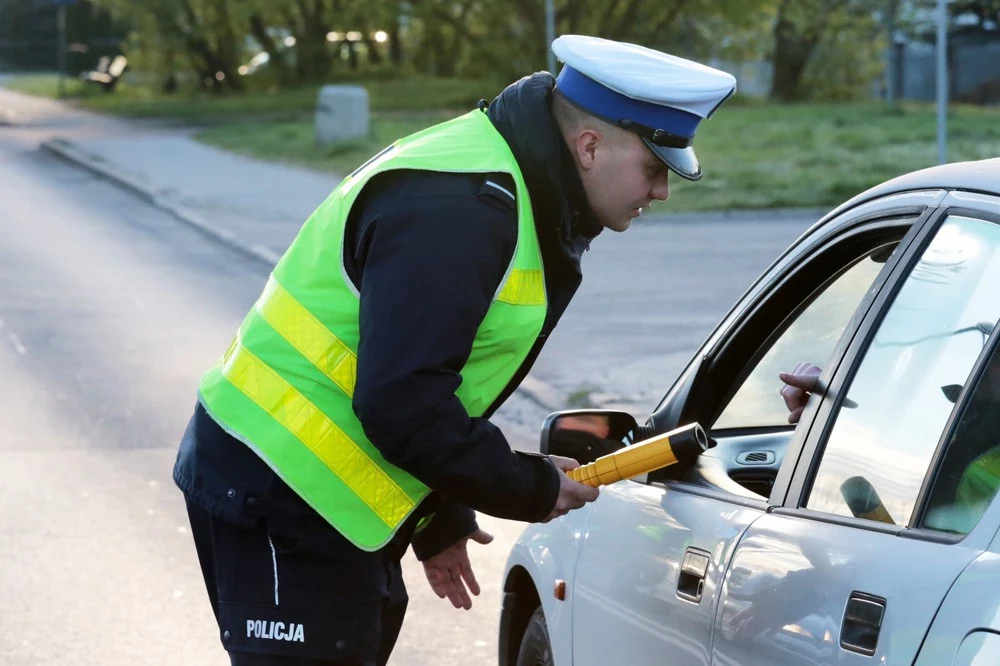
{"x": 107, "y": 73}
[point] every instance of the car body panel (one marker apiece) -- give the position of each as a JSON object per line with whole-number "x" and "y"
{"x": 627, "y": 576}
{"x": 788, "y": 586}
{"x": 973, "y": 200}
{"x": 548, "y": 553}
{"x": 972, "y": 605}
{"x": 977, "y": 176}
{"x": 980, "y": 648}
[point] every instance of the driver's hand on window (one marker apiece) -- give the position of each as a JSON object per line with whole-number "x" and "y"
{"x": 595, "y": 424}
{"x": 800, "y": 383}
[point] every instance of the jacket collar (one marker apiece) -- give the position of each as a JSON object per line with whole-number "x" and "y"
{"x": 522, "y": 114}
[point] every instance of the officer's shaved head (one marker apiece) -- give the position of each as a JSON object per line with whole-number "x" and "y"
{"x": 572, "y": 119}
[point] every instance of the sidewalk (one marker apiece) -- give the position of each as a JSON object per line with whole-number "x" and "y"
{"x": 254, "y": 206}
{"x": 610, "y": 350}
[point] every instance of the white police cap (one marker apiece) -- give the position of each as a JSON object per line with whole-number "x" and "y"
{"x": 660, "y": 97}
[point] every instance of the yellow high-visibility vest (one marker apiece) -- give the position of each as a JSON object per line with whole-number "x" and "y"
{"x": 285, "y": 385}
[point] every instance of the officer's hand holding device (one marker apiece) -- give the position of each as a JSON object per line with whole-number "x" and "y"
{"x": 604, "y": 441}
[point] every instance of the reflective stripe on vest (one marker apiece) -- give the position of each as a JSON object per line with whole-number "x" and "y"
{"x": 312, "y": 427}
{"x": 285, "y": 386}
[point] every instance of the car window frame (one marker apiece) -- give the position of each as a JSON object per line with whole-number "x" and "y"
{"x": 863, "y": 222}
{"x": 673, "y": 407}
{"x": 822, "y": 416}
{"x": 754, "y": 360}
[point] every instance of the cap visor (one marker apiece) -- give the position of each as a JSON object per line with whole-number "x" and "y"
{"x": 681, "y": 161}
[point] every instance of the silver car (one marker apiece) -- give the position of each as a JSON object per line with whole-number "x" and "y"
{"x": 865, "y": 534}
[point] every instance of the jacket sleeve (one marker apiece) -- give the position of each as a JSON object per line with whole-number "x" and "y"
{"x": 449, "y": 523}
{"x": 431, "y": 265}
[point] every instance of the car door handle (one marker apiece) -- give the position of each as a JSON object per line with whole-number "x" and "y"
{"x": 862, "y": 623}
{"x": 691, "y": 581}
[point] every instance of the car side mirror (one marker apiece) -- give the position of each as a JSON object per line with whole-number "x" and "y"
{"x": 586, "y": 434}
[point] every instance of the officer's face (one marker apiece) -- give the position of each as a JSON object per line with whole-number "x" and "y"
{"x": 621, "y": 176}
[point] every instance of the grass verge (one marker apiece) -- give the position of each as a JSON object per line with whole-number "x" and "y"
{"x": 754, "y": 156}
{"x": 294, "y": 142}
{"x": 413, "y": 93}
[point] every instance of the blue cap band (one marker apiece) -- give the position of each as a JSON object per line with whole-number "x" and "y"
{"x": 613, "y": 106}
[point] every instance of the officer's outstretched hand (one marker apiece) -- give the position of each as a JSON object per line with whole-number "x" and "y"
{"x": 572, "y": 495}
{"x": 450, "y": 572}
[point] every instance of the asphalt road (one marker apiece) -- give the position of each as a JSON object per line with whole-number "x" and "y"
{"x": 110, "y": 311}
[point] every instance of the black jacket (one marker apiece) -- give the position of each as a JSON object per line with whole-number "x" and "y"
{"x": 427, "y": 252}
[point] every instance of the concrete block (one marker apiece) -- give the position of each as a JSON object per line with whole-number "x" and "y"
{"x": 341, "y": 114}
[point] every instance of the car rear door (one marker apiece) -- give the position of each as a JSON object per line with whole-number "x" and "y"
{"x": 853, "y": 566}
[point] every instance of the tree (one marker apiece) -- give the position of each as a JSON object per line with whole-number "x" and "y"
{"x": 213, "y": 38}
{"x": 309, "y": 22}
{"x": 443, "y": 30}
{"x": 267, "y": 41}
{"x": 890, "y": 19}
{"x": 203, "y": 35}
{"x": 845, "y": 31}
{"x": 508, "y": 39}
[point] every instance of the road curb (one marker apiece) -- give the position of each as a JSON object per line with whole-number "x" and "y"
{"x": 542, "y": 394}
{"x": 71, "y": 153}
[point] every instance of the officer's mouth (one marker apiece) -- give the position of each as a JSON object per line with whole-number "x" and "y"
{"x": 637, "y": 211}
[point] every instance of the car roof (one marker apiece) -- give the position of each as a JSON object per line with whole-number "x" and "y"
{"x": 978, "y": 176}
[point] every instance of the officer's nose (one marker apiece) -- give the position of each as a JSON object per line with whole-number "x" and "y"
{"x": 661, "y": 188}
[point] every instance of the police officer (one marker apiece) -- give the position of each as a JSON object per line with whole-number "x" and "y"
{"x": 348, "y": 419}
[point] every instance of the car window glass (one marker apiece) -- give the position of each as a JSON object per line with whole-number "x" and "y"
{"x": 969, "y": 474}
{"x": 810, "y": 337}
{"x": 896, "y": 407}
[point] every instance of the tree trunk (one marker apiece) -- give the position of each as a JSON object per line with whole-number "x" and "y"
{"x": 433, "y": 48}
{"x": 227, "y": 48}
{"x": 372, "y": 46}
{"x": 443, "y": 64}
{"x": 277, "y": 60}
{"x": 668, "y": 18}
{"x": 352, "y": 55}
{"x": 792, "y": 50}
{"x": 318, "y": 28}
{"x": 313, "y": 60}
{"x": 395, "y": 46}
{"x": 214, "y": 61}
{"x": 893, "y": 65}
{"x": 626, "y": 21}
{"x": 569, "y": 15}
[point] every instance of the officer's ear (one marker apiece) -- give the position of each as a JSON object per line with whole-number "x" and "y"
{"x": 587, "y": 143}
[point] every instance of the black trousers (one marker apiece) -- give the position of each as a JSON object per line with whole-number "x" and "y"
{"x": 298, "y": 601}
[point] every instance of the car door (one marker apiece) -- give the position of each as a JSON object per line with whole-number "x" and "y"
{"x": 656, "y": 549}
{"x": 853, "y": 566}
